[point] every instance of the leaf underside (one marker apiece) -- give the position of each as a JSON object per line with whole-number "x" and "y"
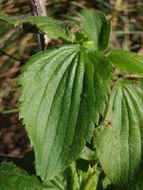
{"x": 60, "y": 99}
{"x": 119, "y": 140}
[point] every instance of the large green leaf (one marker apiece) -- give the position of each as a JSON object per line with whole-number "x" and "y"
{"x": 119, "y": 140}
{"x": 14, "y": 178}
{"x": 97, "y": 28}
{"x": 48, "y": 25}
{"x": 62, "y": 94}
{"x": 126, "y": 61}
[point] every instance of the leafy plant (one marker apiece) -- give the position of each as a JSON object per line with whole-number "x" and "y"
{"x": 84, "y": 119}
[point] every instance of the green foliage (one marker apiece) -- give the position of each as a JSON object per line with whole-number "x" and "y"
{"x": 126, "y": 61}
{"x": 58, "y": 92}
{"x": 14, "y": 178}
{"x": 57, "y": 183}
{"x": 96, "y": 27}
{"x": 52, "y": 27}
{"x": 119, "y": 140}
{"x": 47, "y": 25}
{"x": 10, "y": 19}
{"x": 72, "y": 117}
{"x": 89, "y": 179}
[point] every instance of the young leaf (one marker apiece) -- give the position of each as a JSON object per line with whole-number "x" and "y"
{"x": 71, "y": 175}
{"x": 14, "y": 178}
{"x": 90, "y": 179}
{"x": 97, "y": 28}
{"x": 62, "y": 95}
{"x": 119, "y": 141}
{"x": 126, "y": 61}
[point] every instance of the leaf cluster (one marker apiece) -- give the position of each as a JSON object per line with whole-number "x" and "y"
{"x": 84, "y": 122}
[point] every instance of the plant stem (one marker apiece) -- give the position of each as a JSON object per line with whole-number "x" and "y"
{"x": 38, "y": 8}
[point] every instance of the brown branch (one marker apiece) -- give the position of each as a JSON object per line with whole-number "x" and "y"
{"x": 38, "y": 7}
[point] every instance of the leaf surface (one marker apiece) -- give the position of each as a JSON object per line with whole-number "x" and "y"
{"x": 119, "y": 140}
{"x": 126, "y": 61}
{"x": 10, "y": 19}
{"x": 97, "y": 28}
{"x": 14, "y": 178}
{"x": 90, "y": 179}
{"x": 50, "y": 26}
{"x": 53, "y": 28}
{"x": 61, "y": 97}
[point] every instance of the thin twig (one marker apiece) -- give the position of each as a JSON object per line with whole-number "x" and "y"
{"x": 11, "y": 56}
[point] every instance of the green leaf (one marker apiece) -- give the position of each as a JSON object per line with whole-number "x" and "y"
{"x": 119, "y": 140}
{"x": 66, "y": 180}
{"x": 57, "y": 183}
{"x": 72, "y": 177}
{"x": 62, "y": 94}
{"x": 97, "y": 28}
{"x": 88, "y": 154}
{"x": 137, "y": 183}
{"x": 52, "y": 27}
{"x": 90, "y": 179}
{"x": 126, "y": 61}
{"x": 10, "y": 19}
{"x": 14, "y": 178}
{"x": 47, "y": 25}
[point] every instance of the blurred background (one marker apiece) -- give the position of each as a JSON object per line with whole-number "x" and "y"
{"x": 16, "y": 47}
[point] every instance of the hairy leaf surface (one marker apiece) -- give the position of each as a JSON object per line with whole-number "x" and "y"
{"x": 14, "y": 178}
{"x": 62, "y": 95}
{"x": 52, "y": 27}
{"x": 48, "y": 25}
{"x": 97, "y": 28}
{"x": 126, "y": 61}
{"x": 119, "y": 140}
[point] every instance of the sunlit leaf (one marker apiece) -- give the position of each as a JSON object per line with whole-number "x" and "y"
{"x": 62, "y": 95}
{"x": 126, "y": 61}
